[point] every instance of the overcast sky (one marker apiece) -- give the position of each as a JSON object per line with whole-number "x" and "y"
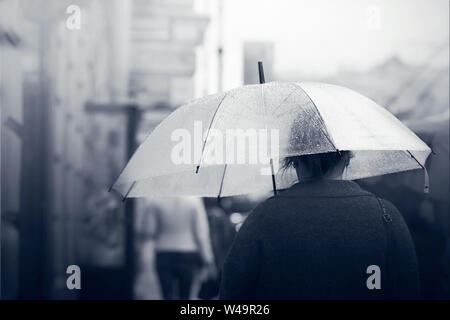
{"x": 318, "y": 37}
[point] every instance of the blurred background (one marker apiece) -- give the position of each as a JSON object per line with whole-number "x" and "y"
{"x": 82, "y": 82}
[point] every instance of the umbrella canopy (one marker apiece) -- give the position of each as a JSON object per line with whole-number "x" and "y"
{"x": 222, "y": 144}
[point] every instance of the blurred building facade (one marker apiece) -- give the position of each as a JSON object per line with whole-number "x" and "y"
{"x": 57, "y": 159}
{"x": 65, "y": 97}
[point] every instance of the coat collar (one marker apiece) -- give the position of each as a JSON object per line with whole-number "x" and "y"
{"x": 324, "y": 188}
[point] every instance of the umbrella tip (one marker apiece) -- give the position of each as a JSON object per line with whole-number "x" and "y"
{"x": 196, "y": 170}
{"x": 261, "y": 72}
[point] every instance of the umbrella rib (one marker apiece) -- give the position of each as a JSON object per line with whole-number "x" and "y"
{"x": 412, "y": 156}
{"x": 128, "y": 192}
{"x": 221, "y": 182}
{"x": 209, "y": 129}
{"x": 324, "y": 126}
{"x": 287, "y": 97}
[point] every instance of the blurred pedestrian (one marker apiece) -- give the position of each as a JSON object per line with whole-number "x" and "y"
{"x": 182, "y": 244}
{"x": 222, "y": 233}
{"x": 319, "y": 239}
{"x": 101, "y": 249}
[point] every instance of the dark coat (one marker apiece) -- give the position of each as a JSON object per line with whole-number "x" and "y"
{"x": 315, "y": 241}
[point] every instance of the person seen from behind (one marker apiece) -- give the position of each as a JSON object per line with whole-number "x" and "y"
{"x": 322, "y": 238}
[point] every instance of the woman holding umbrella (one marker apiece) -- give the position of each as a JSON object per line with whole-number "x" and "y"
{"x": 323, "y": 238}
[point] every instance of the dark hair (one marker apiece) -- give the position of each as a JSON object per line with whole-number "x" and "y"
{"x": 318, "y": 164}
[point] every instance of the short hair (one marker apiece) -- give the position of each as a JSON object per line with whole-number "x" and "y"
{"x": 318, "y": 164}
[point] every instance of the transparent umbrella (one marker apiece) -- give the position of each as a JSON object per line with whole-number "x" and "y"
{"x": 230, "y": 143}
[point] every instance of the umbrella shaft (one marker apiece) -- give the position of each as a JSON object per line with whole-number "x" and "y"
{"x": 274, "y": 185}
